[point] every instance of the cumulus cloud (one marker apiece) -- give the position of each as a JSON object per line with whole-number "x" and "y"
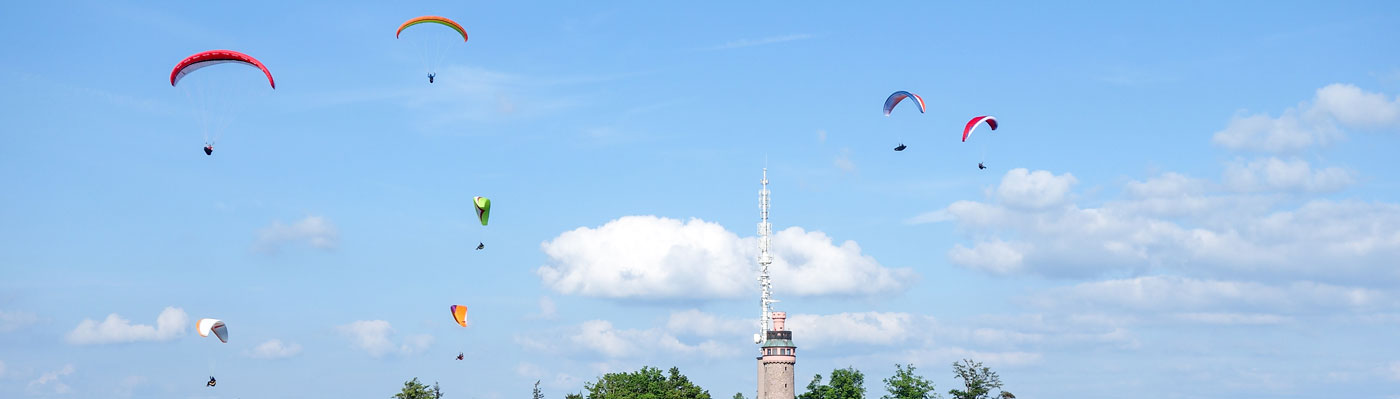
{"x": 273, "y": 349}
{"x": 1319, "y": 122}
{"x": 376, "y": 338}
{"x": 170, "y": 324}
{"x": 49, "y": 382}
{"x": 653, "y": 257}
{"x": 1039, "y": 189}
{"x": 1168, "y": 224}
{"x": 548, "y": 310}
{"x": 313, "y": 231}
{"x": 14, "y": 320}
{"x": 872, "y": 328}
{"x": 1272, "y": 174}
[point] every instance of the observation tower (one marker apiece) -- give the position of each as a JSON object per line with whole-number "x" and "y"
{"x": 777, "y": 354}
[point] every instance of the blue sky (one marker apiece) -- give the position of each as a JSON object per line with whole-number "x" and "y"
{"x": 1183, "y": 200}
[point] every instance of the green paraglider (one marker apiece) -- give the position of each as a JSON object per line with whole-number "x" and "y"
{"x": 483, "y": 209}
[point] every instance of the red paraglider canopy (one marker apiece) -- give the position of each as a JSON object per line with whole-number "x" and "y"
{"x": 213, "y": 57}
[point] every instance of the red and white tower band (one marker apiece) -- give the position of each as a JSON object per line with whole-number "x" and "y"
{"x": 777, "y": 353}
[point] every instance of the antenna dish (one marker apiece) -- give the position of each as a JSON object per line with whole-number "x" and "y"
{"x": 758, "y": 338}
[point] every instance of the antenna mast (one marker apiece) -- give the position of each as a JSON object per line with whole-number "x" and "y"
{"x": 765, "y": 231}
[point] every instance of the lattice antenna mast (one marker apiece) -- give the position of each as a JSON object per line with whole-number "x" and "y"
{"x": 765, "y": 231}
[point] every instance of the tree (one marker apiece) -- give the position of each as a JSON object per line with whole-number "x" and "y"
{"x": 647, "y": 383}
{"x": 978, "y": 381}
{"x": 537, "y": 394}
{"x": 739, "y": 395}
{"x": 412, "y": 389}
{"x": 573, "y": 395}
{"x": 847, "y": 383}
{"x": 907, "y": 385}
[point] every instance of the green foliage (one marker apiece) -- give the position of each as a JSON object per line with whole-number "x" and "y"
{"x": 978, "y": 381}
{"x": 573, "y": 395}
{"x": 847, "y": 383}
{"x": 739, "y": 395}
{"x": 647, "y": 383}
{"x": 536, "y": 394}
{"x": 412, "y": 389}
{"x": 907, "y": 385}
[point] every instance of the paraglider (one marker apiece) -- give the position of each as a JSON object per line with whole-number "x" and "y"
{"x": 431, "y": 51}
{"x": 459, "y": 314}
{"x": 972, "y": 125}
{"x": 894, "y": 100}
{"x": 480, "y": 246}
{"x": 216, "y": 326}
{"x": 211, "y": 382}
{"x": 207, "y": 95}
{"x": 898, "y": 96}
{"x": 483, "y": 209}
{"x": 461, "y": 356}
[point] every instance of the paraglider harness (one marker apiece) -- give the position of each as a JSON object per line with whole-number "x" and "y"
{"x": 460, "y": 356}
{"x": 901, "y": 147}
{"x": 208, "y": 149}
{"x": 431, "y": 76}
{"x": 211, "y": 382}
{"x": 480, "y": 246}
{"x": 981, "y": 166}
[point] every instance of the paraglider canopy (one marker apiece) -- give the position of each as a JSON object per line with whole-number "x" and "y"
{"x": 216, "y": 326}
{"x": 215, "y": 57}
{"x": 972, "y": 125}
{"x": 898, "y": 96}
{"x": 459, "y": 313}
{"x": 434, "y": 20}
{"x": 483, "y": 208}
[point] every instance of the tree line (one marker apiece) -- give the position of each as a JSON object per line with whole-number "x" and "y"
{"x": 979, "y": 382}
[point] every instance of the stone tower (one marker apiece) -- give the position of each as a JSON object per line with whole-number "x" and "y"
{"x": 778, "y": 356}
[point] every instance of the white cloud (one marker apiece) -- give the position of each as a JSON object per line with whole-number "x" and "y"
{"x": 170, "y": 324}
{"x": 653, "y": 257}
{"x": 1039, "y": 189}
{"x": 2, "y": 368}
{"x": 873, "y": 328}
{"x": 1333, "y": 108}
{"x": 1351, "y": 106}
{"x": 1271, "y": 173}
{"x": 375, "y": 338}
{"x": 273, "y": 349}
{"x": 759, "y": 42}
{"x": 1394, "y": 371}
{"x": 313, "y": 231}
{"x": 1226, "y": 318}
{"x": 51, "y": 381}
{"x": 14, "y": 320}
{"x": 1168, "y": 224}
{"x": 821, "y": 136}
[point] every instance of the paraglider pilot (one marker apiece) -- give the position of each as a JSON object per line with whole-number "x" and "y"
{"x": 208, "y": 149}
{"x": 431, "y": 76}
{"x": 480, "y": 246}
{"x": 460, "y": 356}
{"x": 980, "y": 166}
{"x": 211, "y": 381}
{"x": 901, "y": 147}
